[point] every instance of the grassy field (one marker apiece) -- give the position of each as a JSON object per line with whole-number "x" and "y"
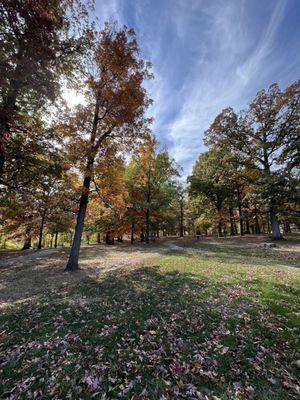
{"x": 221, "y": 322}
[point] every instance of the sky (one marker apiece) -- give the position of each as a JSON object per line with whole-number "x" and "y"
{"x": 208, "y": 55}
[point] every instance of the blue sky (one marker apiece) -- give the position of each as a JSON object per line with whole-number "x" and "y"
{"x": 207, "y": 55}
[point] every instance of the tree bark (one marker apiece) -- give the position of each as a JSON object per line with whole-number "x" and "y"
{"x": 276, "y": 234}
{"x": 247, "y": 231}
{"x": 132, "y": 225}
{"x": 147, "y": 235}
{"x": 27, "y": 240}
{"x": 51, "y": 240}
{"x": 268, "y": 224}
{"x": 8, "y": 106}
{"x": 240, "y": 211}
{"x": 232, "y": 227}
{"x": 41, "y": 229}
{"x": 257, "y": 226}
{"x": 72, "y": 264}
{"x": 148, "y": 200}
{"x": 132, "y": 233}
{"x": 108, "y": 239}
{"x": 219, "y": 208}
{"x": 181, "y": 227}
{"x": 287, "y": 227}
{"x": 55, "y": 239}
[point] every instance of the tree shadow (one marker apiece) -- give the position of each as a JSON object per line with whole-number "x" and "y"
{"x": 140, "y": 322}
{"x": 233, "y": 255}
{"x": 39, "y": 272}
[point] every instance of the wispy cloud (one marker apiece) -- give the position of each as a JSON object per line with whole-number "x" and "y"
{"x": 222, "y": 73}
{"x": 207, "y": 55}
{"x": 265, "y": 44}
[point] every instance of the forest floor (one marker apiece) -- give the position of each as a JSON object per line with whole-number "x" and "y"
{"x": 180, "y": 318}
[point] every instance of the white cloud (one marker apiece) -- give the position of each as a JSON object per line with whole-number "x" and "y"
{"x": 207, "y": 55}
{"x": 221, "y": 80}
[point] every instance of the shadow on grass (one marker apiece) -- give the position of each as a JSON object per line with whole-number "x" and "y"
{"x": 233, "y": 255}
{"x": 140, "y": 334}
{"x": 39, "y": 272}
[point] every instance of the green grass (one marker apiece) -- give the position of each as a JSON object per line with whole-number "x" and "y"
{"x": 218, "y": 324}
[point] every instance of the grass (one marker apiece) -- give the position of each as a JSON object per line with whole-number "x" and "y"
{"x": 211, "y": 325}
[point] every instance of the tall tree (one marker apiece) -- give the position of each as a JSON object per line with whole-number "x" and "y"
{"x": 115, "y": 110}
{"x": 38, "y": 43}
{"x": 152, "y": 185}
{"x": 265, "y": 134}
{"x": 209, "y": 178}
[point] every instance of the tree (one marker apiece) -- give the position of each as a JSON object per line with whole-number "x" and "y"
{"x": 177, "y": 203}
{"x": 45, "y": 202}
{"x": 209, "y": 178}
{"x": 116, "y": 104}
{"x": 39, "y": 44}
{"x": 151, "y": 187}
{"x": 109, "y": 199}
{"x": 199, "y": 214}
{"x": 264, "y": 134}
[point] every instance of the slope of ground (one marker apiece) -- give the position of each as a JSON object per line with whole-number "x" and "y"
{"x": 221, "y": 322}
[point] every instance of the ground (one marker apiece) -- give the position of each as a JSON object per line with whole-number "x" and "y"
{"x": 187, "y": 319}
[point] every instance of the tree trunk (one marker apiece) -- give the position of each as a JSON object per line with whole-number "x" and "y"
{"x": 268, "y": 224}
{"x": 55, "y": 239}
{"x": 232, "y": 227}
{"x": 132, "y": 233}
{"x": 148, "y": 199}
{"x": 147, "y": 235}
{"x": 72, "y": 264}
{"x": 51, "y": 240}
{"x": 8, "y": 107}
{"x": 27, "y": 241}
{"x": 240, "y": 212}
{"x": 219, "y": 209}
{"x": 220, "y": 234}
{"x": 276, "y": 234}
{"x": 41, "y": 229}
{"x": 181, "y": 227}
{"x": 108, "y": 239}
{"x": 98, "y": 238}
{"x": 132, "y": 225}
{"x": 247, "y": 231}
{"x": 257, "y": 227}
